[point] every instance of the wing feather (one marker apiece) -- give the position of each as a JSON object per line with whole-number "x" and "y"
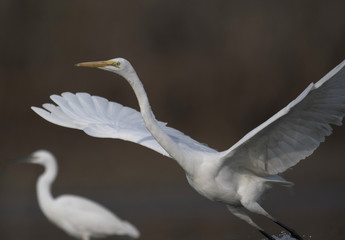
{"x": 294, "y": 132}
{"x": 98, "y": 117}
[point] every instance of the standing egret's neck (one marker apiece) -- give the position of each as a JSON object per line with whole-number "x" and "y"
{"x": 45, "y": 198}
{"x": 152, "y": 124}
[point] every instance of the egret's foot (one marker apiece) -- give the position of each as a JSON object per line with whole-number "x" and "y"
{"x": 266, "y": 235}
{"x": 292, "y": 232}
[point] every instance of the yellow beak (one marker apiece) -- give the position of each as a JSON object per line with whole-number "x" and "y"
{"x": 95, "y": 64}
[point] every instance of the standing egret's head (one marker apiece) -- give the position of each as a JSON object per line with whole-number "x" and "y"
{"x": 117, "y": 65}
{"x": 41, "y": 157}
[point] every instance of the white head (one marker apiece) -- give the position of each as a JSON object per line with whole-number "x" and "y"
{"x": 41, "y": 157}
{"x": 116, "y": 65}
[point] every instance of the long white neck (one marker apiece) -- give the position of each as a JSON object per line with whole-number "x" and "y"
{"x": 45, "y": 198}
{"x": 152, "y": 124}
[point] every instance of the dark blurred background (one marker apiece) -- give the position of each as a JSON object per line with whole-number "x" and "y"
{"x": 212, "y": 69}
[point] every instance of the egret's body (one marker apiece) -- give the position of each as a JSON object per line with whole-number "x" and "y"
{"x": 77, "y": 216}
{"x": 238, "y": 176}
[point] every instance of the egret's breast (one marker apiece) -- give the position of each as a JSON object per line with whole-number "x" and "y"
{"x": 204, "y": 185}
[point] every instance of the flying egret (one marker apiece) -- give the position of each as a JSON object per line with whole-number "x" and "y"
{"x": 77, "y": 216}
{"x": 237, "y": 176}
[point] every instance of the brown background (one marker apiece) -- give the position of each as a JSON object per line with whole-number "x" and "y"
{"x": 212, "y": 69}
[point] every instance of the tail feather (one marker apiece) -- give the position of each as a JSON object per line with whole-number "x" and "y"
{"x": 278, "y": 179}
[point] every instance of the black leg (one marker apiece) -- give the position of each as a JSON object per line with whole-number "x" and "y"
{"x": 290, "y": 230}
{"x": 266, "y": 235}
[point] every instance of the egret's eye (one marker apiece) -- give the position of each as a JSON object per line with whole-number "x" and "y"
{"x": 116, "y": 64}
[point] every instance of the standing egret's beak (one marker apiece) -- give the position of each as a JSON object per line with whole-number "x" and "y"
{"x": 6, "y": 163}
{"x": 22, "y": 159}
{"x": 97, "y": 64}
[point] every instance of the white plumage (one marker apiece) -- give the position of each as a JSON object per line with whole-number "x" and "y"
{"x": 98, "y": 117}
{"x": 77, "y": 216}
{"x": 237, "y": 176}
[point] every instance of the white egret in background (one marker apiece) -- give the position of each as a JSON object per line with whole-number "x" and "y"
{"x": 77, "y": 216}
{"x": 237, "y": 176}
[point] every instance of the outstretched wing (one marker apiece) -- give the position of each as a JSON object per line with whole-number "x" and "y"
{"x": 294, "y": 132}
{"x": 98, "y": 117}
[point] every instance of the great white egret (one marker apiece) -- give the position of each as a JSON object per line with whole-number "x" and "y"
{"x": 77, "y": 216}
{"x": 237, "y": 176}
